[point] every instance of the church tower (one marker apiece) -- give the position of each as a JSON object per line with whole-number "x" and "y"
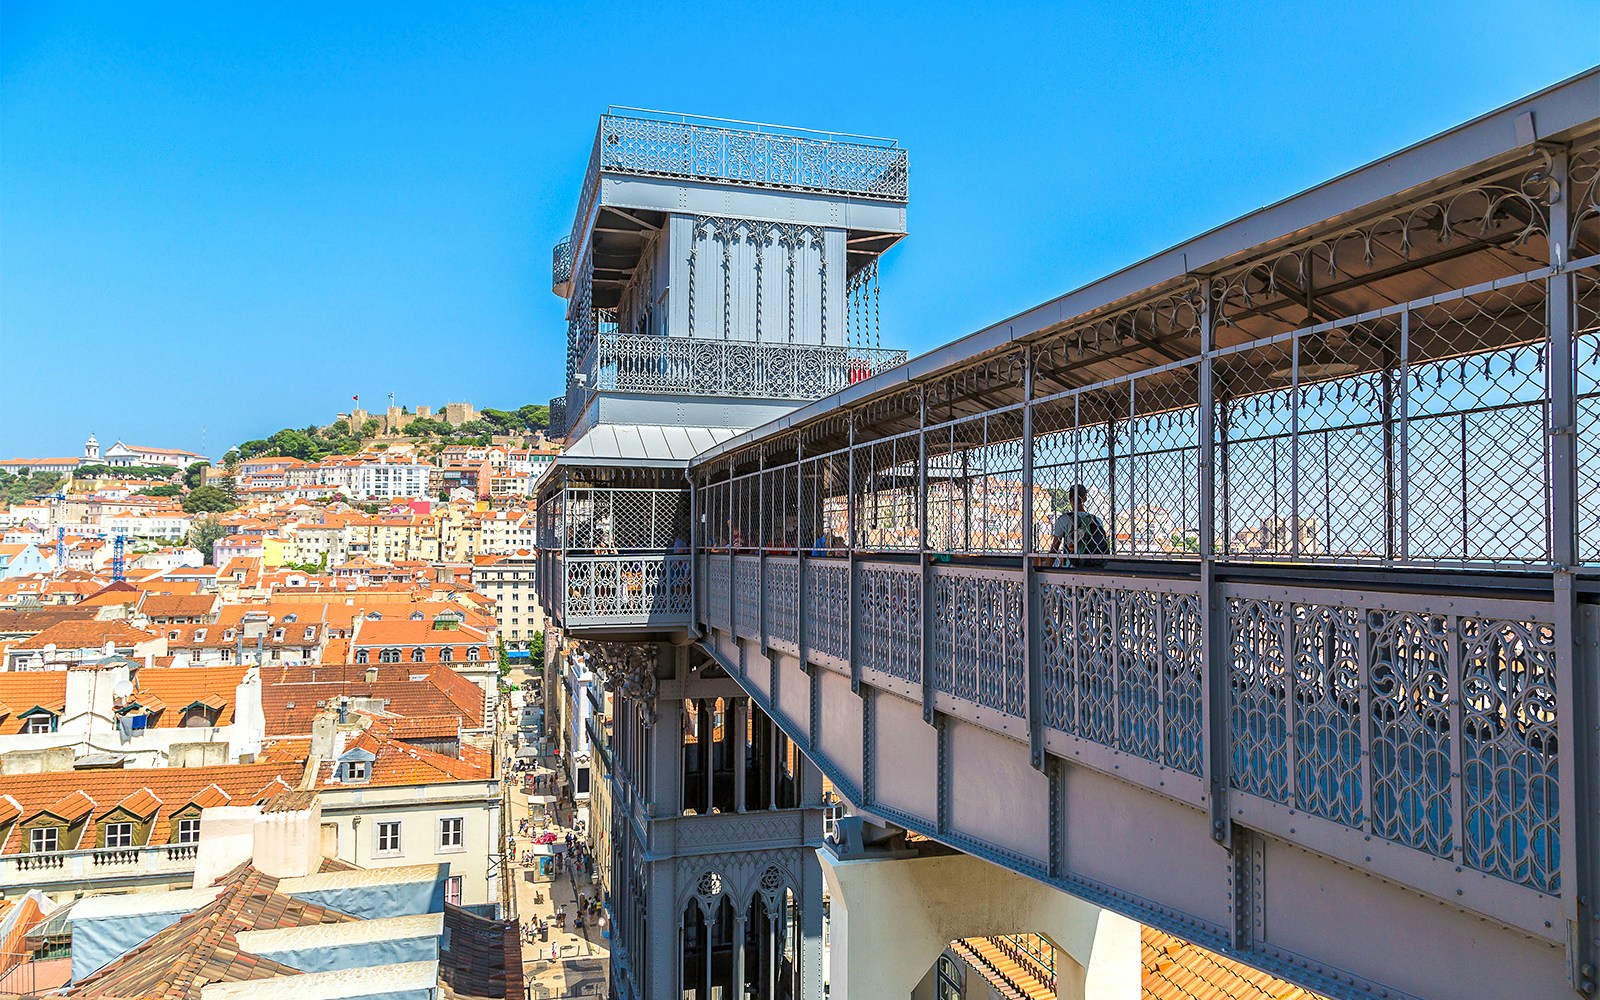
{"x": 91, "y": 450}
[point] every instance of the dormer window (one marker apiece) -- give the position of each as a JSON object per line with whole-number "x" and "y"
{"x": 447, "y": 655}
{"x": 361, "y": 656}
{"x": 227, "y": 636}
{"x": 118, "y": 834}
{"x": 355, "y": 770}
{"x": 39, "y": 722}
{"x": 198, "y": 716}
{"x": 472, "y": 653}
{"x": 389, "y": 656}
{"x": 43, "y": 839}
{"x": 417, "y": 654}
{"x": 199, "y": 635}
{"x": 311, "y": 631}
{"x": 416, "y": 616}
{"x": 291, "y": 618}
{"x": 277, "y": 635}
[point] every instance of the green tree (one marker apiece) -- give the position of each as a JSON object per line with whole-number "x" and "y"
{"x": 161, "y": 490}
{"x": 291, "y": 443}
{"x": 208, "y": 498}
{"x": 206, "y": 531}
{"x": 534, "y": 418}
{"x": 195, "y": 474}
{"x": 536, "y": 650}
{"x": 370, "y": 427}
{"x": 336, "y": 430}
{"x": 231, "y": 460}
{"x": 26, "y": 484}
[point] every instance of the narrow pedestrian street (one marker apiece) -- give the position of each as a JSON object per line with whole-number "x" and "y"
{"x": 550, "y": 882}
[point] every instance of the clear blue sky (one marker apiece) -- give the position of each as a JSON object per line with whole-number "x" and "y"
{"x": 220, "y": 219}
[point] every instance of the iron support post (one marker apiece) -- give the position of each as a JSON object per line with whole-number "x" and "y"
{"x": 1575, "y": 715}
{"x": 1033, "y": 666}
{"x": 1213, "y": 650}
{"x": 924, "y": 577}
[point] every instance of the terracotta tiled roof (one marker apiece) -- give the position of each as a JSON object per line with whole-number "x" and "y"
{"x": 72, "y": 806}
{"x": 23, "y": 690}
{"x": 420, "y": 727}
{"x": 174, "y": 787}
{"x": 31, "y": 621}
{"x": 141, "y": 803}
{"x": 203, "y": 946}
{"x": 482, "y": 959}
{"x": 176, "y": 688}
{"x": 177, "y": 605}
{"x": 1174, "y": 969}
{"x": 395, "y": 763}
{"x": 86, "y": 634}
{"x": 404, "y": 632}
{"x": 290, "y": 695}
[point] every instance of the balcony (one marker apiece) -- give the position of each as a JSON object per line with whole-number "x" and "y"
{"x": 561, "y": 268}
{"x": 632, "y": 141}
{"x": 737, "y": 368}
{"x": 666, "y": 145}
{"x": 649, "y": 589}
{"x": 614, "y": 556}
{"x": 166, "y": 862}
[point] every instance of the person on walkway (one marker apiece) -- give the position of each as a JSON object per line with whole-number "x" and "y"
{"x": 1078, "y": 533}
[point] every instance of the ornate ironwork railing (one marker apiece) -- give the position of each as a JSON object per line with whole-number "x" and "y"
{"x": 630, "y": 363}
{"x": 1427, "y": 722}
{"x": 558, "y": 417}
{"x": 751, "y": 154}
{"x": 561, "y": 266}
{"x": 626, "y": 590}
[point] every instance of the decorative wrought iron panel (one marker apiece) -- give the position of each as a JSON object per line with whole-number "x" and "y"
{"x": 1510, "y": 795}
{"x": 702, "y": 367}
{"x": 717, "y": 582}
{"x": 782, "y": 603}
{"x": 889, "y": 620}
{"x": 827, "y": 622}
{"x": 1327, "y": 712}
{"x": 977, "y": 649}
{"x": 1122, "y": 668}
{"x": 627, "y": 589}
{"x": 1410, "y": 730}
{"x": 1258, "y": 677}
{"x": 742, "y": 155}
{"x": 747, "y": 603}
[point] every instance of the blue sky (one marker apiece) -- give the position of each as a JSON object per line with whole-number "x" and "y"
{"x": 217, "y": 220}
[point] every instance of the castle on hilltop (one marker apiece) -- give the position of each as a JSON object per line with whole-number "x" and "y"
{"x": 394, "y": 419}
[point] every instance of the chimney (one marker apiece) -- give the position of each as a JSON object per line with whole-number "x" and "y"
{"x": 322, "y": 730}
{"x": 288, "y": 836}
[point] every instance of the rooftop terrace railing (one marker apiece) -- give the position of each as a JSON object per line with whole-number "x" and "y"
{"x": 631, "y": 363}
{"x": 657, "y": 144}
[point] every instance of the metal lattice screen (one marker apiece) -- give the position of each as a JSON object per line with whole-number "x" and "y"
{"x": 603, "y": 519}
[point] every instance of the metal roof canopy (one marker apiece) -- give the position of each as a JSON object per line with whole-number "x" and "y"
{"x": 1477, "y": 149}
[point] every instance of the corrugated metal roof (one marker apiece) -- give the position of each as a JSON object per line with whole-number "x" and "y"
{"x": 658, "y": 445}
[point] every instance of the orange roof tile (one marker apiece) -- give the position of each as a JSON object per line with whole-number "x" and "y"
{"x": 175, "y": 787}
{"x": 86, "y": 634}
